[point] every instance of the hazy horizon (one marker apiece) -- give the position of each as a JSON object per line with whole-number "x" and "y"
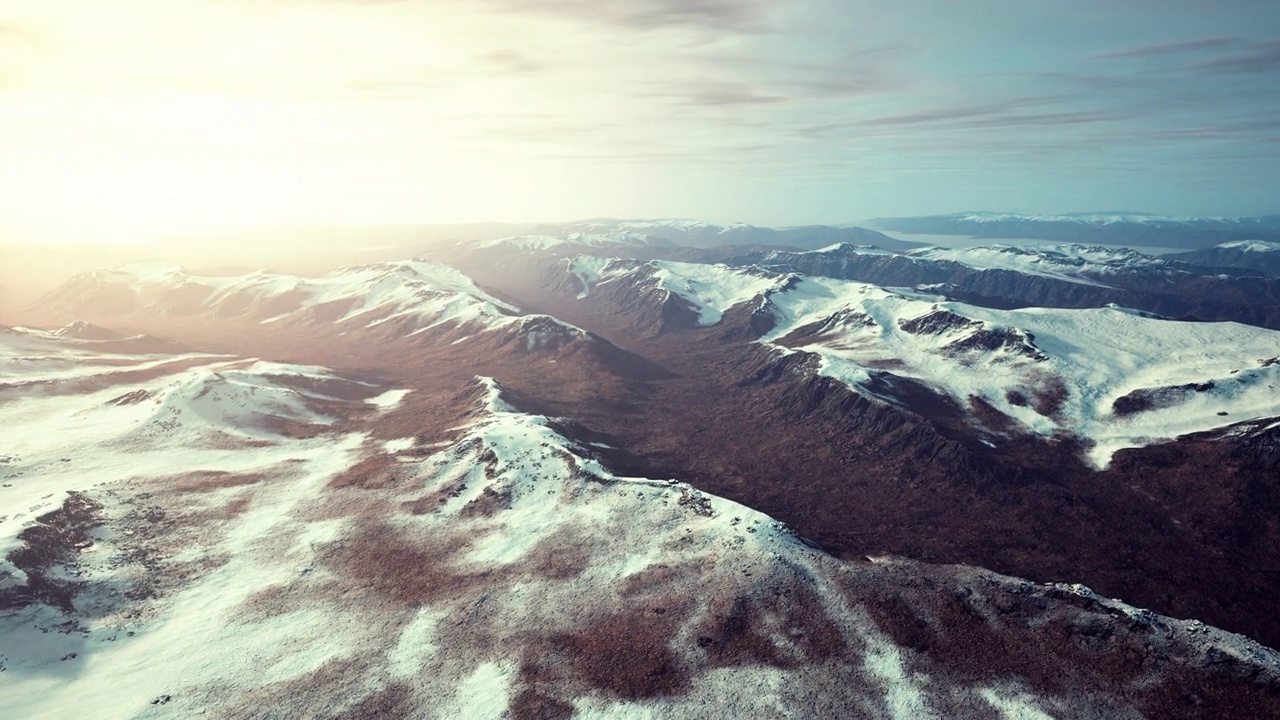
{"x": 141, "y": 119}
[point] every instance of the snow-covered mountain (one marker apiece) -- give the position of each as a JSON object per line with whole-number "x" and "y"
{"x": 403, "y": 299}
{"x": 575, "y": 242}
{"x": 1065, "y": 276}
{"x": 698, "y": 234}
{"x": 706, "y": 289}
{"x": 1088, "y": 218}
{"x": 1074, "y": 263}
{"x": 78, "y": 416}
{"x": 454, "y": 526}
{"x": 87, "y": 337}
{"x": 1112, "y": 377}
{"x": 1259, "y": 256}
{"x": 492, "y": 567}
{"x": 1114, "y": 228}
{"x": 1069, "y": 275}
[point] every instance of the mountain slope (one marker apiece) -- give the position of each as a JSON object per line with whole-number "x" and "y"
{"x": 500, "y": 570}
{"x": 393, "y": 300}
{"x": 1182, "y": 525}
{"x": 396, "y": 539}
{"x": 1109, "y": 377}
{"x": 1065, "y": 276}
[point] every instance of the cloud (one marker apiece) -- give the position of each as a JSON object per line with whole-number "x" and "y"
{"x": 768, "y": 77}
{"x": 1075, "y": 117}
{"x": 847, "y": 84}
{"x": 1091, "y": 82}
{"x": 726, "y": 95}
{"x": 1173, "y": 48}
{"x": 1236, "y": 55}
{"x": 511, "y": 63}
{"x": 958, "y": 112}
{"x": 725, "y": 15}
{"x": 788, "y": 88}
{"x": 1261, "y": 58}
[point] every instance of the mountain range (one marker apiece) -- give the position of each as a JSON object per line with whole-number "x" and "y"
{"x": 655, "y": 469}
{"x": 1112, "y": 228}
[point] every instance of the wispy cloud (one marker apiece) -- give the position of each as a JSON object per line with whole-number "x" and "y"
{"x": 1263, "y": 57}
{"x": 1090, "y": 82}
{"x": 409, "y": 93}
{"x": 725, "y": 95}
{"x": 737, "y": 15}
{"x": 511, "y": 62}
{"x": 1001, "y": 108}
{"x": 1176, "y": 47}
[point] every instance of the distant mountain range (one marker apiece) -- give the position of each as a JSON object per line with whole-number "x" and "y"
{"x": 1121, "y": 228}
{"x": 1259, "y": 256}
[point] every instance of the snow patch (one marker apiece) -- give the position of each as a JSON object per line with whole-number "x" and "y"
{"x": 389, "y": 400}
{"x": 713, "y": 289}
{"x": 1014, "y": 706}
{"x": 904, "y": 698}
{"x": 416, "y": 646}
{"x": 484, "y": 695}
{"x": 398, "y": 445}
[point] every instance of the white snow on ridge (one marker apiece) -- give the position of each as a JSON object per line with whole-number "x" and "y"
{"x": 540, "y": 243}
{"x": 524, "y": 242}
{"x": 1069, "y": 262}
{"x": 1080, "y": 218}
{"x": 1053, "y": 371}
{"x": 426, "y": 290}
{"x": 709, "y": 289}
{"x": 591, "y": 271}
{"x": 426, "y": 294}
{"x": 1262, "y": 246}
{"x": 849, "y": 248}
{"x": 145, "y": 272}
{"x": 31, "y": 356}
{"x": 1095, "y": 356}
{"x": 682, "y": 225}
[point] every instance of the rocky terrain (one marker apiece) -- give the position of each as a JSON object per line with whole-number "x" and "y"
{"x": 593, "y": 473}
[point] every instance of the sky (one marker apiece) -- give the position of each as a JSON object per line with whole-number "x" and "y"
{"x": 144, "y": 118}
